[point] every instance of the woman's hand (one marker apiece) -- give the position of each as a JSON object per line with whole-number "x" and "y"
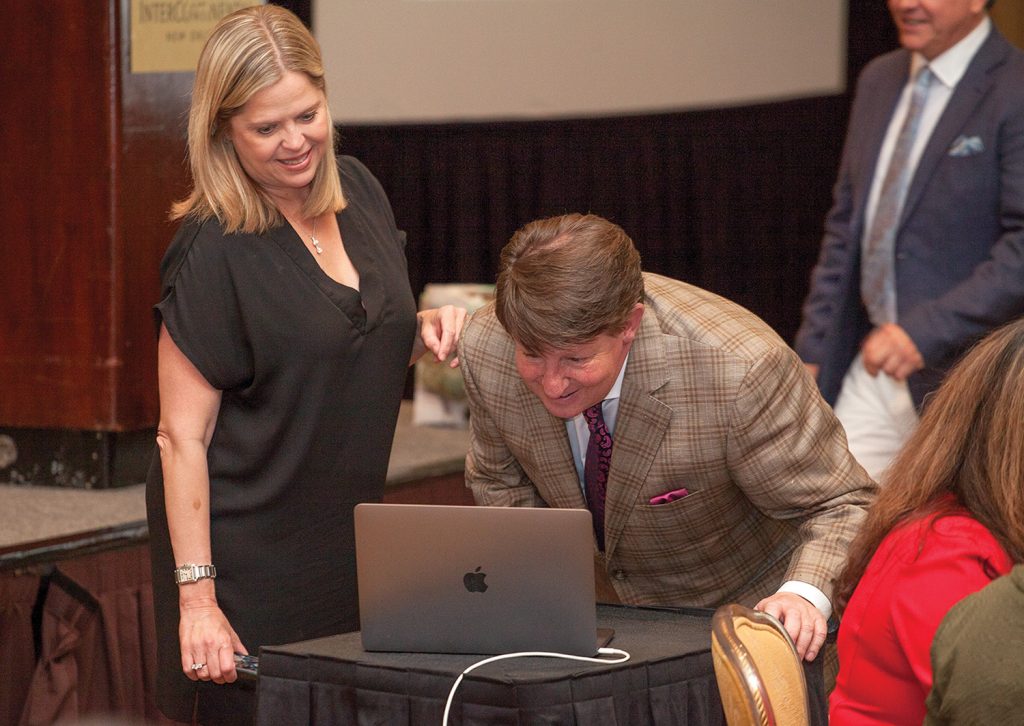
{"x": 439, "y": 330}
{"x": 207, "y": 640}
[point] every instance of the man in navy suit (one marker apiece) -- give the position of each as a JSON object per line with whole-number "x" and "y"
{"x": 907, "y": 280}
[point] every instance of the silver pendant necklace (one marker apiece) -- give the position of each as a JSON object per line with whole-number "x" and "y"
{"x": 314, "y": 240}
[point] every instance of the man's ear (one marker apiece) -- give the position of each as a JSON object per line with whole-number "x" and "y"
{"x": 633, "y": 322}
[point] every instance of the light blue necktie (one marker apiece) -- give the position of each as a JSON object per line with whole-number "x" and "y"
{"x": 877, "y": 283}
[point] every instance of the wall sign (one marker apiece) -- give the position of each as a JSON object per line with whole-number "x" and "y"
{"x": 168, "y": 35}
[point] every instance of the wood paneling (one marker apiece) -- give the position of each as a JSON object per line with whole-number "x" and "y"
{"x": 56, "y": 174}
{"x": 153, "y": 172}
{"x": 93, "y": 156}
{"x": 1008, "y": 16}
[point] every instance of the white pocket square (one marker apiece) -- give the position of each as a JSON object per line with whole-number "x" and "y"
{"x": 966, "y": 146}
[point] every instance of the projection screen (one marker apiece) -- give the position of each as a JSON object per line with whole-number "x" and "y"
{"x": 407, "y": 61}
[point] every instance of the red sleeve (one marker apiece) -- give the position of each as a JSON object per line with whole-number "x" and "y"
{"x": 959, "y": 557}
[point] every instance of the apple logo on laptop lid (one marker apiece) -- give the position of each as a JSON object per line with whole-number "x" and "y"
{"x": 474, "y": 581}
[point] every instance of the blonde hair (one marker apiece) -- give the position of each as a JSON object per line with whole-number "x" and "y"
{"x": 968, "y": 449}
{"x": 247, "y": 51}
{"x": 564, "y": 280}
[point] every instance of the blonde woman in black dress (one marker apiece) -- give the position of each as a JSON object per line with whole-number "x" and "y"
{"x": 286, "y": 327}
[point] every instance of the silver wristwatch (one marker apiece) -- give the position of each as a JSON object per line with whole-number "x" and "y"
{"x": 188, "y": 573}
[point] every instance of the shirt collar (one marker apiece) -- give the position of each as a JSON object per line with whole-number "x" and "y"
{"x": 616, "y": 390}
{"x": 950, "y": 67}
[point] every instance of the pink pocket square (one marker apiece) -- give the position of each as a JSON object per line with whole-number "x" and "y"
{"x": 669, "y": 496}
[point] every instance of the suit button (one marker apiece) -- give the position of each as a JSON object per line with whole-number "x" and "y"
{"x": 619, "y": 575}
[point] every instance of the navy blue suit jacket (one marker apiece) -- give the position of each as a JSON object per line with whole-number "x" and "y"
{"x": 960, "y": 245}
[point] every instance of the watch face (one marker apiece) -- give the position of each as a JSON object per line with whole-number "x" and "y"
{"x": 193, "y": 573}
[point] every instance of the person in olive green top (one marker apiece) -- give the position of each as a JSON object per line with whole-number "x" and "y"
{"x": 976, "y": 657}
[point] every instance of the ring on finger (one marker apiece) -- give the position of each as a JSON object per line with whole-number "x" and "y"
{"x": 198, "y": 666}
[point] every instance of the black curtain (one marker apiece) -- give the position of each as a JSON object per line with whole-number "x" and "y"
{"x": 731, "y": 200}
{"x": 302, "y": 8}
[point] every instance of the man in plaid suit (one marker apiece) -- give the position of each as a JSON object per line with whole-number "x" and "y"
{"x": 729, "y": 477}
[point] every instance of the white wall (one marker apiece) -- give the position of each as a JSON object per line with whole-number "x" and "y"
{"x": 394, "y": 61}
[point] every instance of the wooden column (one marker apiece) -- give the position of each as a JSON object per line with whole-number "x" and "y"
{"x": 93, "y": 157}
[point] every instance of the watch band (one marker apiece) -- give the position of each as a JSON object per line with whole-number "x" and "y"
{"x": 189, "y": 573}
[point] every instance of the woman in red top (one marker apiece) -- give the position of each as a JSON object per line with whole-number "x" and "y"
{"x": 949, "y": 519}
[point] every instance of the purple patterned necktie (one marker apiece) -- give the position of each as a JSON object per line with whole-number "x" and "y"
{"x": 595, "y": 468}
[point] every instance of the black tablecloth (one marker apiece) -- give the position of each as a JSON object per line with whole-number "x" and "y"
{"x": 669, "y": 680}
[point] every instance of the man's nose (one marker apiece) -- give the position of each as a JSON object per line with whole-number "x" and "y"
{"x": 553, "y": 383}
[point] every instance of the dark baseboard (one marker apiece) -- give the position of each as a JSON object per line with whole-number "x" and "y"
{"x": 74, "y": 458}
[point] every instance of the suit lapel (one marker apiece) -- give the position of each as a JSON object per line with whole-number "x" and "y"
{"x": 640, "y": 427}
{"x": 965, "y": 100}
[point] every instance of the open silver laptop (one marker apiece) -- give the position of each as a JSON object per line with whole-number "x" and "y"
{"x": 464, "y": 579}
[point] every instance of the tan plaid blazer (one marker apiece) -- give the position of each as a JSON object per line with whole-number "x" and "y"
{"x": 712, "y": 401}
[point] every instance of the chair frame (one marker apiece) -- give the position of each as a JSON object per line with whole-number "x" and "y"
{"x": 727, "y": 644}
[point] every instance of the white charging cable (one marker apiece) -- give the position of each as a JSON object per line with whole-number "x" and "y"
{"x": 621, "y": 657}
